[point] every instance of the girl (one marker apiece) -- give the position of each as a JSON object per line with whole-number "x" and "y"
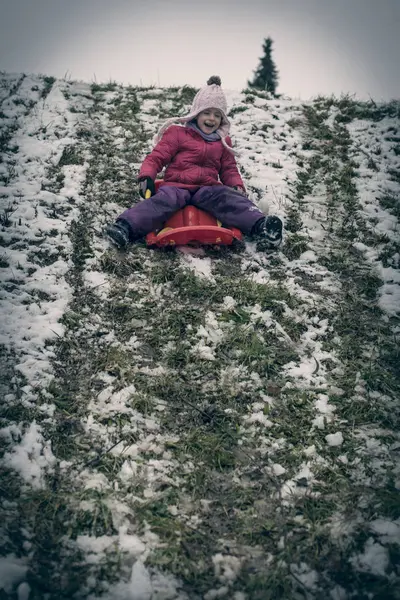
{"x": 201, "y": 170}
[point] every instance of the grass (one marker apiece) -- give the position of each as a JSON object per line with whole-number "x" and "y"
{"x": 295, "y": 245}
{"x": 5, "y": 220}
{"x": 70, "y": 156}
{"x": 391, "y": 202}
{"x": 48, "y": 84}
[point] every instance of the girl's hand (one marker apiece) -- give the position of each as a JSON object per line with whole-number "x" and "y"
{"x": 239, "y": 189}
{"x": 146, "y": 183}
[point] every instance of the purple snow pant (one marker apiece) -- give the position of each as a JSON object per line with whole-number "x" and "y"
{"x": 225, "y": 204}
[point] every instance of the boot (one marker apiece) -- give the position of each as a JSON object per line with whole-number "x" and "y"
{"x": 269, "y": 230}
{"x": 119, "y": 233}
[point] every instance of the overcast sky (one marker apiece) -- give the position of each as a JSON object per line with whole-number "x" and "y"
{"x": 320, "y": 46}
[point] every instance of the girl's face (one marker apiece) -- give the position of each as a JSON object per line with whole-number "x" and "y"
{"x": 209, "y": 120}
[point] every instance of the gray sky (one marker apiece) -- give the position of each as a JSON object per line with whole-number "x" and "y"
{"x": 320, "y": 46}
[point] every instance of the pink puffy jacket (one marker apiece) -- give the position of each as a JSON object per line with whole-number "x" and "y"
{"x": 192, "y": 161}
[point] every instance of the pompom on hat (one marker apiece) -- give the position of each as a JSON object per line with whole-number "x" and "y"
{"x": 209, "y": 96}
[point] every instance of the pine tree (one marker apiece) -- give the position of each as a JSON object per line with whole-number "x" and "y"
{"x": 266, "y": 76}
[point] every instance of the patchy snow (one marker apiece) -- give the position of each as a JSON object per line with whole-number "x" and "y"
{"x": 140, "y": 584}
{"x": 31, "y": 457}
{"x": 258, "y": 417}
{"x": 200, "y": 266}
{"x": 110, "y": 402}
{"x": 308, "y": 256}
{"x": 338, "y": 593}
{"x": 299, "y": 485}
{"x": 273, "y": 169}
{"x": 374, "y": 559}
{"x": 307, "y": 576}
{"x": 33, "y": 322}
{"x": 278, "y": 469}
{"x": 226, "y": 567}
{"x": 210, "y": 335}
{"x": 310, "y": 451}
{"x": 289, "y": 305}
{"x": 12, "y": 572}
{"x": 23, "y": 591}
{"x": 374, "y": 146}
{"x": 144, "y": 586}
{"x": 218, "y": 593}
{"x": 334, "y": 439}
{"x": 325, "y": 410}
{"x": 97, "y": 282}
{"x": 229, "y": 303}
{"x": 388, "y": 531}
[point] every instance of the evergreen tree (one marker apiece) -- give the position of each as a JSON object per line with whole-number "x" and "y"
{"x": 266, "y": 76}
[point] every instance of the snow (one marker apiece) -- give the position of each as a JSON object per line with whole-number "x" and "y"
{"x": 310, "y": 451}
{"x": 325, "y": 410}
{"x": 308, "y": 256}
{"x": 388, "y": 531}
{"x": 334, "y": 439}
{"x": 29, "y": 327}
{"x": 219, "y": 593}
{"x": 109, "y": 402}
{"x": 372, "y": 185}
{"x": 307, "y": 576}
{"x": 226, "y": 567}
{"x": 374, "y": 559}
{"x": 258, "y": 417}
{"x": 94, "y": 547}
{"x": 278, "y": 469}
{"x": 31, "y": 457}
{"x": 23, "y": 591}
{"x": 140, "y": 585}
{"x": 97, "y": 282}
{"x": 323, "y": 406}
{"x": 390, "y": 298}
{"x": 12, "y": 572}
{"x": 202, "y": 267}
{"x": 210, "y": 335}
{"x": 338, "y": 593}
{"x": 305, "y": 370}
{"x": 229, "y": 303}
{"x": 291, "y": 488}
{"x": 143, "y": 585}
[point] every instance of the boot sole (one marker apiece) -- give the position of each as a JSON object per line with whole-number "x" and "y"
{"x": 118, "y": 242}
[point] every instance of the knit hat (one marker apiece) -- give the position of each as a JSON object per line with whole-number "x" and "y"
{"x": 210, "y": 96}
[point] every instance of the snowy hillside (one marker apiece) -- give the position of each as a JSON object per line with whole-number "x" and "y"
{"x": 198, "y": 424}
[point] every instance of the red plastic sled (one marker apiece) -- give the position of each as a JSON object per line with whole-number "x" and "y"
{"x": 192, "y": 226}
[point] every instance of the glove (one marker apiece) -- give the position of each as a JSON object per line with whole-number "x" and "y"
{"x": 239, "y": 189}
{"x": 146, "y": 183}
